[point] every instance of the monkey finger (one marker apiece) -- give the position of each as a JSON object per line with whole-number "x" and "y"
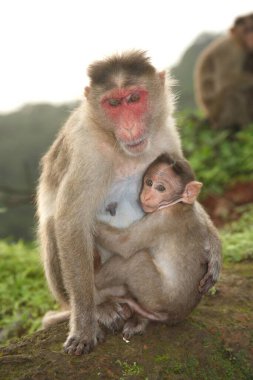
{"x": 78, "y": 346}
{"x": 134, "y": 326}
{"x": 206, "y": 283}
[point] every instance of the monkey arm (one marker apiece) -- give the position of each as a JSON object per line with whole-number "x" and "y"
{"x": 139, "y": 235}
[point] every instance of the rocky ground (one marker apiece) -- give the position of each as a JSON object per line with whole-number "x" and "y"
{"x": 215, "y": 342}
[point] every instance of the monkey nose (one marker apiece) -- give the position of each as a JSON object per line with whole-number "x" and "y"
{"x": 147, "y": 197}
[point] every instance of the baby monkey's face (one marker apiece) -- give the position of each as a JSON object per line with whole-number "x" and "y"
{"x": 160, "y": 186}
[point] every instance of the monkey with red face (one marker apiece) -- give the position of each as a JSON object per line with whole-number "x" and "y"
{"x": 98, "y": 158}
{"x": 124, "y": 122}
{"x": 163, "y": 258}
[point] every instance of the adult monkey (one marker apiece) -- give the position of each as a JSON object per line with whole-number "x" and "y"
{"x": 124, "y": 123}
{"x": 223, "y": 79}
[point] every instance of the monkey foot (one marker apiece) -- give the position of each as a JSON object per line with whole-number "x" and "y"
{"x": 134, "y": 326}
{"x": 78, "y": 345}
{"x": 113, "y": 315}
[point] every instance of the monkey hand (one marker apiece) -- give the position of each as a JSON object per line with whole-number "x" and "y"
{"x": 114, "y": 239}
{"x": 210, "y": 277}
{"x": 103, "y": 229}
{"x": 79, "y": 343}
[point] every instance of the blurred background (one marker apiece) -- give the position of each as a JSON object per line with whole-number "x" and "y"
{"x": 45, "y": 50}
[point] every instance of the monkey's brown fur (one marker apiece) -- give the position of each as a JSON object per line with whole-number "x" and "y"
{"x": 222, "y": 80}
{"x": 163, "y": 258}
{"x": 77, "y": 173}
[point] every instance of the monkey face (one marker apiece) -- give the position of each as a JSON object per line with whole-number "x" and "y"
{"x": 127, "y": 98}
{"x": 243, "y": 31}
{"x": 160, "y": 186}
{"x": 127, "y": 109}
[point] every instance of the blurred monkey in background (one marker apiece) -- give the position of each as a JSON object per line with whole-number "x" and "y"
{"x": 224, "y": 77}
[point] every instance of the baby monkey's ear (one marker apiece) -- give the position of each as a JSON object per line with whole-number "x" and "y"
{"x": 191, "y": 191}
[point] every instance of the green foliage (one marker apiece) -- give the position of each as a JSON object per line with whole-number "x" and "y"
{"x": 219, "y": 158}
{"x": 130, "y": 369}
{"x": 24, "y": 296}
{"x": 237, "y": 237}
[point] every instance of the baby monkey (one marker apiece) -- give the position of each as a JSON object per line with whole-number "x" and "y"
{"x": 162, "y": 259}
{"x": 166, "y": 183}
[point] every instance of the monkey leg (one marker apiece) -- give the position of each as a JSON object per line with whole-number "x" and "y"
{"x": 133, "y": 273}
{"x": 139, "y": 274}
{"x": 143, "y": 281}
{"x": 110, "y": 314}
{"x": 51, "y": 262}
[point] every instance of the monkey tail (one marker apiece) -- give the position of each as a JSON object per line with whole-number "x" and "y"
{"x": 53, "y": 317}
{"x": 152, "y": 316}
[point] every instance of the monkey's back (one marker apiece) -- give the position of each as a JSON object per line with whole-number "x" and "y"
{"x": 218, "y": 65}
{"x": 181, "y": 258}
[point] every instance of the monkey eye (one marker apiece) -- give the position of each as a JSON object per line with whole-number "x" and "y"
{"x": 114, "y": 102}
{"x": 133, "y": 98}
{"x": 160, "y": 188}
{"x": 149, "y": 182}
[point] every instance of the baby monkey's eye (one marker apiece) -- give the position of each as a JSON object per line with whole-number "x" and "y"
{"x": 114, "y": 102}
{"x": 160, "y": 188}
{"x": 149, "y": 182}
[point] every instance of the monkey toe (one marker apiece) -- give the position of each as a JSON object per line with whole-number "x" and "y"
{"x": 78, "y": 346}
{"x": 207, "y": 282}
{"x": 112, "y": 315}
{"x": 134, "y": 326}
{"x": 125, "y": 311}
{"x": 207, "y": 285}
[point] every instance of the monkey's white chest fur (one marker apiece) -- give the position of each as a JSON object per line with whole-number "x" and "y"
{"x": 124, "y": 198}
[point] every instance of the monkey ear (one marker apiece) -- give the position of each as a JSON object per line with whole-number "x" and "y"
{"x": 162, "y": 76}
{"x": 191, "y": 192}
{"x": 86, "y": 91}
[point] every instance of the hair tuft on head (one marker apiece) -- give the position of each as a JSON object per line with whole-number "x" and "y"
{"x": 134, "y": 62}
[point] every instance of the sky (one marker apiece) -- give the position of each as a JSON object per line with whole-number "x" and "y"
{"x": 46, "y": 45}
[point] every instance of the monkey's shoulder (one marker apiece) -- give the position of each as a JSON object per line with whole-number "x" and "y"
{"x": 222, "y": 52}
{"x": 188, "y": 226}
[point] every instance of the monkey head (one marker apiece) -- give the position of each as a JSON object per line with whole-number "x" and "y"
{"x": 242, "y": 31}
{"x": 127, "y": 98}
{"x": 167, "y": 182}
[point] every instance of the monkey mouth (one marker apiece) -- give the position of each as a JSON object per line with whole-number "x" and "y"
{"x": 148, "y": 208}
{"x": 137, "y": 145}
